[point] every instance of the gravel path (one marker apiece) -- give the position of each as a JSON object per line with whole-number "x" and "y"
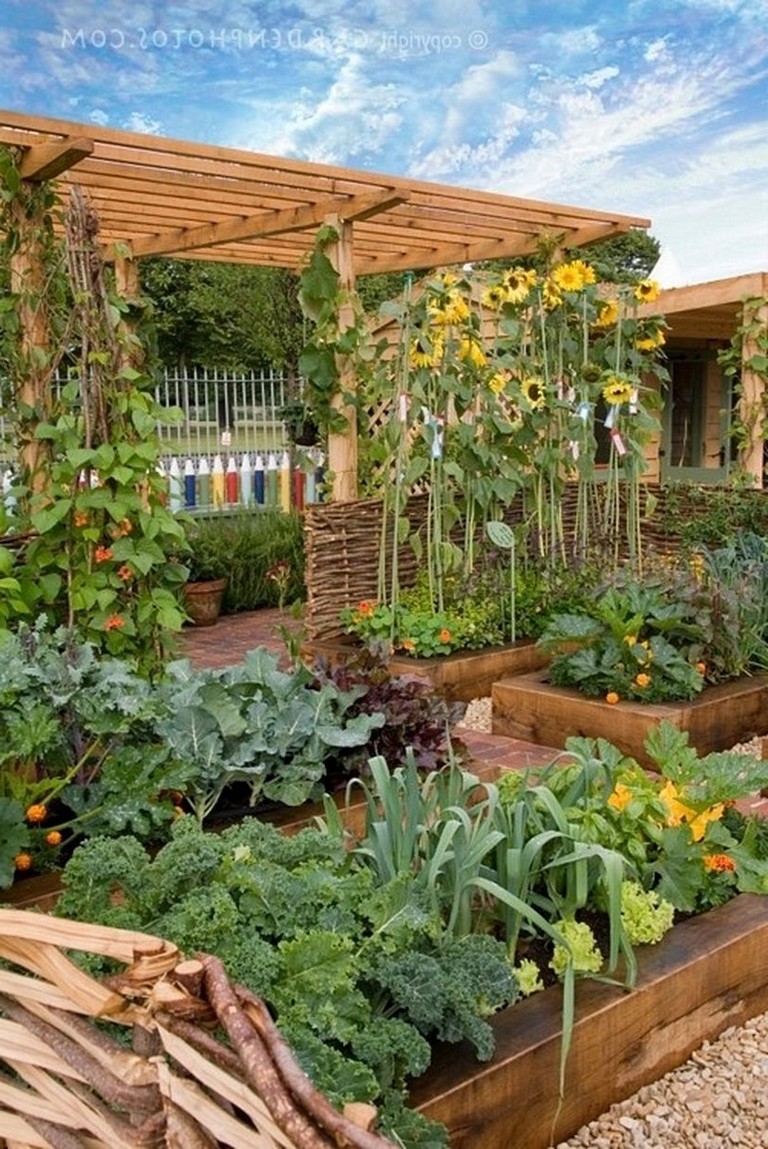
{"x": 717, "y": 1099}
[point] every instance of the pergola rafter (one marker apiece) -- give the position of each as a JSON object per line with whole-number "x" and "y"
{"x": 156, "y": 196}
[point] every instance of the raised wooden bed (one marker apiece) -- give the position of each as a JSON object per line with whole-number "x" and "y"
{"x": 708, "y": 973}
{"x": 530, "y": 708}
{"x": 461, "y": 676}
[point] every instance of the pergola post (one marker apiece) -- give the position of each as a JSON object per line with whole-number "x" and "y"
{"x": 128, "y": 287}
{"x": 28, "y": 282}
{"x": 342, "y": 447}
{"x": 752, "y": 398}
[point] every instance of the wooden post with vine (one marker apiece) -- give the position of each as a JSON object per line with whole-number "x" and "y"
{"x": 752, "y": 398}
{"x": 342, "y": 445}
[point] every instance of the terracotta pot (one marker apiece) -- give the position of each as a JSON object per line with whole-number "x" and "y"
{"x": 202, "y": 601}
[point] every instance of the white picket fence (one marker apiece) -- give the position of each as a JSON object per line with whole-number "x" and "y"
{"x": 220, "y": 411}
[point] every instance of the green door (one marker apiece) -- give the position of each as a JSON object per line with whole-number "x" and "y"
{"x": 696, "y": 419}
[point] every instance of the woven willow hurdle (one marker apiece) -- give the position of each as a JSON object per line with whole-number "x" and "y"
{"x": 67, "y": 1083}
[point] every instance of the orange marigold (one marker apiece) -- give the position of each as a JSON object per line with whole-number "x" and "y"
{"x": 102, "y": 554}
{"x": 23, "y": 861}
{"x": 37, "y": 813}
{"x": 53, "y": 838}
{"x": 408, "y": 644}
{"x": 612, "y": 697}
{"x": 114, "y": 622}
{"x": 643, "y": 680}
{"x": 445, "y": 635}
{"x": 701, "y": 667}
{"x": 719, "y": 863}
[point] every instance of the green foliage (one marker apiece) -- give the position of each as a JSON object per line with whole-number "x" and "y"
{"x": 14, "y": 836}
{"x": 713, "y": 516}
{"x": 225, "y": 316}
{"x": 244, "y": 549}
{"x": 634, "y": 641}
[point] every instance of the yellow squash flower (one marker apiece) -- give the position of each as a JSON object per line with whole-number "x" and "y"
{"x": 621, "y": 796}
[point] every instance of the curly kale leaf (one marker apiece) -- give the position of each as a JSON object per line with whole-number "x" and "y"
{"x": 105, "y": 878}
{"x": 394, "y": 1049}
{"x": 451, "y": 991}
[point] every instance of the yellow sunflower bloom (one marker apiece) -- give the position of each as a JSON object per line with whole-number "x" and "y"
{"x": 609, "y": 314}
{"x": 533, "y": 391}
{"x": 647, "y": 290}
{"x": 617, "y": 390}
{"x": 651, "y": 342}
{"x": 573, "y": 276}
{"x": 518, "y": 284}
{"x": 587, "y": 271}
{"x": 427, "y": 350}
{"x": 455, "y": 309}
{"x": 550, "y": 294}
{"x": 498, "y": 382}
{"x": 494, "y": 297}
{"x": 470, "y": 351}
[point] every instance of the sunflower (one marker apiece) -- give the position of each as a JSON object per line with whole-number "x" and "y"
{"x": 494, "y": 297}
{"x": 617, "y": 390}
{"x": 550, "y": 294}
{"x": 518, "y": 284}
{"x": 470, "y": 351}
{"x": 652, "y": 341}
{"x": 647, "y": 290}
{"x": 498, "y": 382}
{"x": 572, "y": 276}
{"x": 454, "y": 309}
{"x": 426, "y": 350}
{"x": 533, "y": 391}
{"x": 609, "y": 314}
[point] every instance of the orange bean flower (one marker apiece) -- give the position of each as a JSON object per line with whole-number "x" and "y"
{"x": 81, "y": 519}
{"x": 102, "y": 554}
{"x": 114, "y": 622}
{"x": 125, "y": 573}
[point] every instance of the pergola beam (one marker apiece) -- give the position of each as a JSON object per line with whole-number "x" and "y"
{"x": 267, "y": 223}
{"x": 47, "y": 161}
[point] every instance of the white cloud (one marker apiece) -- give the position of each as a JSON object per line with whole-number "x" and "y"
{"x": 98, "y": 116}
{"x": 599, "y": 78}
{"x": 139, "y": 122}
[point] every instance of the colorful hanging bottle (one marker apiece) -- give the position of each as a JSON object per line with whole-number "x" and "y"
{"x": 310, "y": 495}
{"x": 285, "y": 482}
{"x": 203, "y": 483}
{"x": 298, "y": 486}
{"x": 174, "y": 485}
{"x": 232, "y": 481}
{"x": 217, "y": 482}
{"x": 189, "y": 483}
{"x": 271, "y": 492}
{"x": 246, "y": 481}
{"x": 259, "y": 492}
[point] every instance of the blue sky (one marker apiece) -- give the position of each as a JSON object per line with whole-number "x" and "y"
{"x": 649, "y": 107}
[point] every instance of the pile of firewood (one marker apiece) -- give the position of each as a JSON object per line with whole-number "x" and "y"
{"x": 205, "y": 1065}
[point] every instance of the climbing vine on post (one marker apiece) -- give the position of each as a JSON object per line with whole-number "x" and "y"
{"x": 745, "y": 361}
{"x": 101, "y": 543}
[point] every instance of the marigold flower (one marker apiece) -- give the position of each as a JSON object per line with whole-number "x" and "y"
{"x": 643, "y": 680}
{"x": 53, "y": 838}
{"x": 719, "y": 863}
{"x": 23, "y": 861}
{"x": 647, "y": 290}
{"x": 701, "y": 667}
{"x": 444, "y": 635}
{"x": 125, "y": 573}
{"x": 408, "y": 644}
{"x": 114, "y": 622}
{"x": 612, "y": 697}
{"x": 102, "y": 554}
{"x": 37, "y": 813}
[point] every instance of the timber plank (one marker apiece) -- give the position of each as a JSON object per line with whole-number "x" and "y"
{"x": 707, "y": 974}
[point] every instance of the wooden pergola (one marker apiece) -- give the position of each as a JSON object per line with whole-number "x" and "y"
{"x": 158, "y": 196}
